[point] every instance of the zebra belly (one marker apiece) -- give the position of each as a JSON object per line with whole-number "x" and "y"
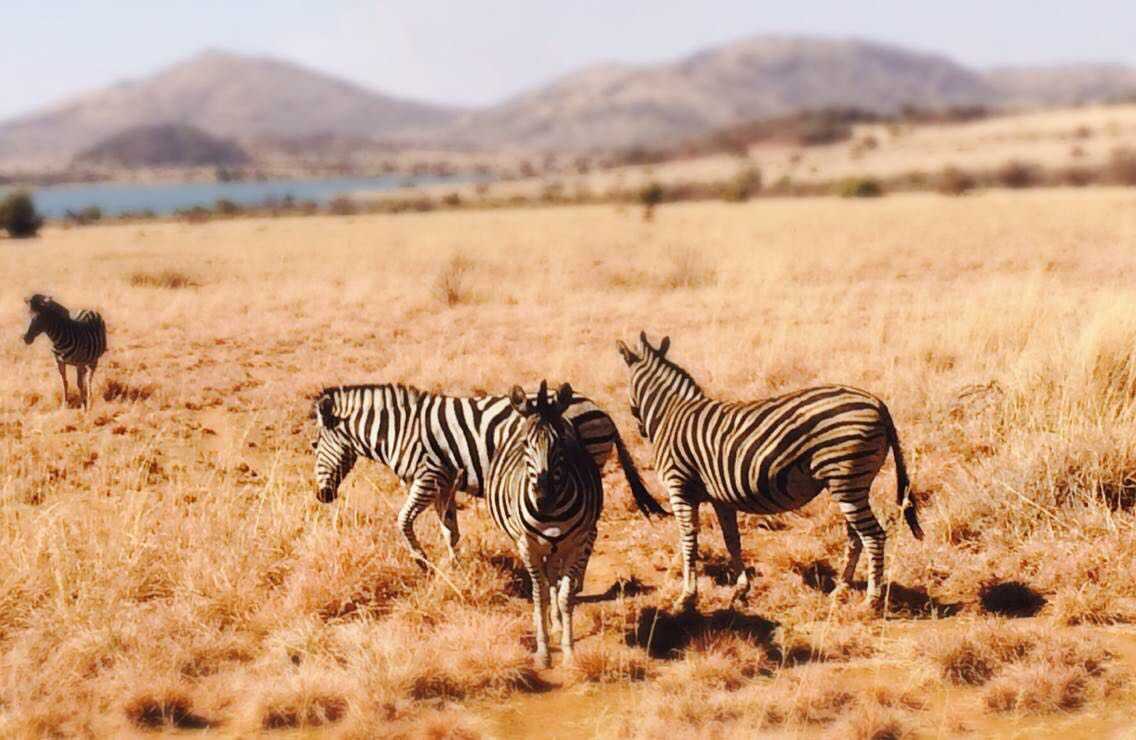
{"x": 788, "y": 490}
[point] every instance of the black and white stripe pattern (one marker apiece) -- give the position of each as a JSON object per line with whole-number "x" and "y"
{"x": 764, "y": 457}
{"x": 545, "y": 492}
{"x": 428, "y": 440}
{"x": 78, "y": 341}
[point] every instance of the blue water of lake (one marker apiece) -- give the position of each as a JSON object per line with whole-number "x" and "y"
{"x": 164, "y": 199}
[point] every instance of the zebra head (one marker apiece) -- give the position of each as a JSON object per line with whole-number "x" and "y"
{"x": 45, "y": 312}
{"x": 644, "y": 375}
{"x": 544, "y": 433}
{"x": 335, "y": 454}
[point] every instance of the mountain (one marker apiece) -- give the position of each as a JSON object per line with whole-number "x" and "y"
{"x": 164, "y": 145}
{"x": 225, "y": 95}
{"x": 1070, "y": 84}
{"x": 281, "y": 111}
{"x": 615, "y": 106}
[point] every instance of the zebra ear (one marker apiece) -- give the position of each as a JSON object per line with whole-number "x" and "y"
{"x": 563, "y": 398}
{"x": 628, "y": 356}
{"x": 327, "y": 411}
{"x": 542, "y": 395}
{"x": 643, "y": 343}
{"x": 664, "y": 346}
{"x": 520, "y": 401}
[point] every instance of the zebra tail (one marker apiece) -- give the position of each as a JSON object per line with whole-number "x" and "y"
{"x": 643, "y": 499}
{"x": 903, "y": 496}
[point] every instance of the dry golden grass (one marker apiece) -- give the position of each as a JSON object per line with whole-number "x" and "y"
{"x": 164, "y": 564}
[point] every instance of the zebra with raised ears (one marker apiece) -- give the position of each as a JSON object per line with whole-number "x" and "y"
{"x": 545, "y": 492}
{"x": 78, "y": 341}
{"x": 764, "y": 457}
{"x": 427, "y": 440}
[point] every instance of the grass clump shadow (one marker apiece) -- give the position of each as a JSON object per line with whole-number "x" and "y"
{"x": 167, "y": 711}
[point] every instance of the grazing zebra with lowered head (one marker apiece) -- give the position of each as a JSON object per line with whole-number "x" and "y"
{"x": 78, "y": 341}
{"x": 427, "y": 440}
{"x": 545, "y": 492}
{"x": 764, "y": 457}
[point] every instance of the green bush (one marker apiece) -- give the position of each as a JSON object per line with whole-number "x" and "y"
{"x": 953, "y": 181}
{"x": 18, "y": 216}
{"x": 1016, "y": 174}
{"x": 744, "y": 186}
{"x": 860, "y": 187}
{"x": 226, "y": 207}
{"x": 650, "y": 195}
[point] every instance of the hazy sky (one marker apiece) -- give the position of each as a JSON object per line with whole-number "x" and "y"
{"x": 481, "y": 51}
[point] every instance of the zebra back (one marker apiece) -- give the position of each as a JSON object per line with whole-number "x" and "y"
{"x": 406, "y": 429}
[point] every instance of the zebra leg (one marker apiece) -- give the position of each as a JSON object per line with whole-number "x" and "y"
{"x": 540, "y": 598}
{"x": 686, "y": 516}
{"x": 857, "y": 510}
{"x": 81, "y": 378}
{"x": 851, "y": 555}
{"x": 570, "y": 583}
{"x": 63, "y": 375}
{"x": 447, "y": 512}
{"x": 91, "y": 378}
{"x": 554, "y": 616}
{"x": 566, "y": 605}
{"x": 728, "y": 519}
{"x": 422, "y": 493}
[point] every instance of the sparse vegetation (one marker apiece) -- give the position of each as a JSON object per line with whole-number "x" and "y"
{"x": 860, "y": 187}
{"x": 171, "y": 279}
{"x": 650, "y": 195}
{"x": 744, "y": 186}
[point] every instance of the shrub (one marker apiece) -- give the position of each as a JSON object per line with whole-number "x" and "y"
{"x": 745, "y": 185}
{"x": 860, "y": 187}
{"x": 341, "y": 205}
{"x": 88, "y": 215}
{"x": 18, "y": 216}
{"x": 1015, "y": 174}
{"x": 650, "y": 195}
{"x": 953, "y": 181}
{"x": 1122, "y": 167}
{"x": 226, "y": 207}
{"x": 451, "y": 286}
{"x": 451, "y": 200}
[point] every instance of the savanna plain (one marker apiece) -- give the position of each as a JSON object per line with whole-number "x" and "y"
{"x": 165, "y": 566}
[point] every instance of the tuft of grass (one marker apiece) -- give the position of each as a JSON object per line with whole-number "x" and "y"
{"x": 168, "y": 279}
{"x": 860, "y": 187}
{"x": 170, "y": 710}
{"x": 451, "y": 284}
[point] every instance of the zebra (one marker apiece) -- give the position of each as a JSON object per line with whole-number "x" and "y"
{"x": 764, "y": 457}
{"x": 544, "y": 491}
{"x": 427, "y": 440}
{"x": 78, "y": 341}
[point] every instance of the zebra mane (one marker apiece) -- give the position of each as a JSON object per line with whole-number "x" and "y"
{"x": 42, "y": 304}
{"x": 671, "y": 369}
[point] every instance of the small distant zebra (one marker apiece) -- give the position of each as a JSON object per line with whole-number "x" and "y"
{"x": 78, "y": 341}
{"x": 545, "y": 492}
{"x": 427, "y": 440}
{"x": 764, "y": 457}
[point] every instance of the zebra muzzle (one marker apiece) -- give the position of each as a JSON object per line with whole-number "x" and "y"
{"x": 326, "y": 495}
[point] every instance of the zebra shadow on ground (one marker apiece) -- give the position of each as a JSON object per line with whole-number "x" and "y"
{"x": 906, "y": 602}
{"x": 664, "y": 635}
{"x": 518, "y": 586}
